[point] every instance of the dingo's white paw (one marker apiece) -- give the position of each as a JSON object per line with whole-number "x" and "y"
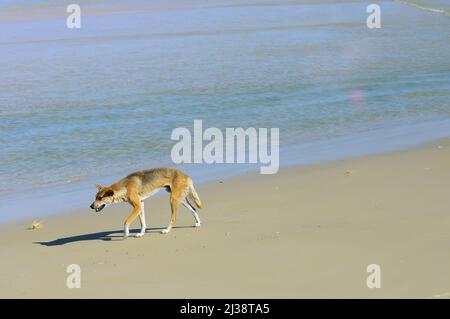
{"x": 198, "y": 224}
{"x": 139, "y": 235}
{"x": 126, "y": 232}
{"x": 165, "y": 231}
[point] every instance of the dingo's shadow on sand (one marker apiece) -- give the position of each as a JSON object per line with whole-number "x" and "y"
{"x": 112, "y": 235}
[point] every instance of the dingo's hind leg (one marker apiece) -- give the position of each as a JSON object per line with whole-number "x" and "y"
{"x": 178, "y": 192}
{"x": 174, "y": 202}
{"x": 189, "y": 206}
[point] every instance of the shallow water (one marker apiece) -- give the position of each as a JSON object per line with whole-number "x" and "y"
{"x": 77, "y": 106}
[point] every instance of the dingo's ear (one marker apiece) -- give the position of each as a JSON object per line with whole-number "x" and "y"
{"x": 98, "y": 186}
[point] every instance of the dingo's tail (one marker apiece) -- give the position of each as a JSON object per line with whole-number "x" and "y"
{"x": 194, "y": 195}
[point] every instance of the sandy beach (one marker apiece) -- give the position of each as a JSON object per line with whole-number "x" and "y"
{"x": 352, "y": 97}
{"x": 305, "y": 232}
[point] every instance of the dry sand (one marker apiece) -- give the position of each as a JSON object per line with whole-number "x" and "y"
{"x": 305, "y": 232}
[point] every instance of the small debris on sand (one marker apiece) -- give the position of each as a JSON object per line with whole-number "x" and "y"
{"x": 36, "y": 225}
{"x": 349, "y": 172}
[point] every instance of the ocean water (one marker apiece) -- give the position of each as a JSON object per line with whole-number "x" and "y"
{"x": 85, "y": 106}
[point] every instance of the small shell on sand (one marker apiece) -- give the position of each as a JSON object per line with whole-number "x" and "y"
{"x": 36, "y": 225}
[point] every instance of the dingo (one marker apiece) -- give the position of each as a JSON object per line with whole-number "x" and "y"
{"x": 138, "y": 186}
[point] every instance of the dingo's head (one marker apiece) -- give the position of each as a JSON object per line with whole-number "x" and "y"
{"x": 104, "y": 197}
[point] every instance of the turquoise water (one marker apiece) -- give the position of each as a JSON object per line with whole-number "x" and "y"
{"x": 80, "y": 106}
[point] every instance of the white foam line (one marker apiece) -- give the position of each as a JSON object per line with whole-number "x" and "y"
{"x": 424, "y": 8}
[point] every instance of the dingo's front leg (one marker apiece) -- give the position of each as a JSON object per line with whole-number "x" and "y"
{"x": 126, "y": 231}
{"x": 143, "y": 224}
{"x": 135, "y": 201}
